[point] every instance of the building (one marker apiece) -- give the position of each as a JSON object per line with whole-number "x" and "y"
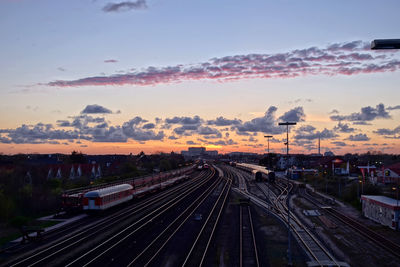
{"x": 381, "y": 209}
{"x": 294, "y": 173}
{"x": 212, "y": 153}
{"x": 334, "y": 166}
{"x": 391, "y": 174}
{"x": 284, "y": 162}
{"x": 72, "y": 171}
{"x": 369, "y": 172}
{"x": 329, "y": 154}
{"x": 196, "y": 152}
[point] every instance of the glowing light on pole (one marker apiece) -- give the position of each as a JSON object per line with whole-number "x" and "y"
{"x": 268, "y": 137}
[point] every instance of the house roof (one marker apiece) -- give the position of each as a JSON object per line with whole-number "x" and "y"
{"x": 394, "y": 167}
{"x": 86, "y": 168}
{"x": 382, "y": 201}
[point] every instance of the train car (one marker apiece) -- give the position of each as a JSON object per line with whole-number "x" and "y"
{"x": 258, "y": 176}
{"x": 205, "y": 166}
{"x": 108, "y": 197}
{"x": 72, "y": 202}
{"x": 271, "y": 177}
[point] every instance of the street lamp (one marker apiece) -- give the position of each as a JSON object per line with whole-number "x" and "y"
{"x": 358, "y": 189}
{"x": 288, "y": 192}
{"x": 380, "y": 44}
{"x": 397, "y": 193}
{"x": 287, "y": 134}
{"x": 269, "y": 160}
{"x": 268, "y": 137}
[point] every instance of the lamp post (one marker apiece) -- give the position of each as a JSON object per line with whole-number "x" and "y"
{"x": 269, "y": 160}
{"x": 397, "y": 192}
{"x": 268, "y": 137}
{"x": 381, "y": 44}
{"x": 288, "y": 192}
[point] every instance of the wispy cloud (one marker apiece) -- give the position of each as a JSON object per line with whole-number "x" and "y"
{"x": 110, "y": 61}
{"x": 385, "y": 131}
{"x": 125, "y": 6}
{"x": 344, "y": 128}
{"x": 393, "y": 108}
{"x": 366, "y": 114}
{"x": 359, "y": 137}
{"x": 350, "y": 58}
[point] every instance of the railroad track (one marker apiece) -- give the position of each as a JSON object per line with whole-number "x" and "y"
{"x": 248, "y": 245}
{"x": 155, "y": 247}
{"x": 315, "y": 249}
{"x": 102, "y": 251}
{"x": 358, "y": 227}
{"x": 318, "y": 254}
{"x": 65, "y": 245}
{"x": 197, "y": 253}
{"x": 248, "y": 252}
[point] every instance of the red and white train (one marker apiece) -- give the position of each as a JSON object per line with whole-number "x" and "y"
{"x": 108, "y": 195}
{"x": 105, "y": 198}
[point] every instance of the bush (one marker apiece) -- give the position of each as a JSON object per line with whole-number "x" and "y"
{"x": 19, "y": 221}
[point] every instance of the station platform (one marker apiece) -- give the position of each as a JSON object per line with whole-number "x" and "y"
{"x": 62, "y": 222}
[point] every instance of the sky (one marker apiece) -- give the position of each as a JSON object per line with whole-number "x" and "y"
{"x": 160, "y": 76}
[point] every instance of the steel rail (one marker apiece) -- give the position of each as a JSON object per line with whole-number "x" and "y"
{"x": 280, "y": 205}
{"x": 301, "y": 225}
{"x": 216, "y": 222}
{"x": 234, "y": 172}
{"x": 366, "y": 232}
{"x": 201, "y": 198}
{"x": 254, "y": 238}
{"x": 98, "y": 226}
{"x": 229, "y": 181}
{"x": 169, "y": 204}
{"x": 240, "y": 237}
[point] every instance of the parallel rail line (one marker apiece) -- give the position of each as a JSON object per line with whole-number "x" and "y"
{"x": 202, "y": 242}
{"x": 248, "y": 245}
{"x": 158, "y": 243}
{"x": 55, "y": 248}
{"x": 101, "y": 249}
{"x": 313, "y": 246}
{"x": 358, "y": 227}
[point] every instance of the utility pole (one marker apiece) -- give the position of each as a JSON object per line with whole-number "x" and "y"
{"x": 319, "y": 144}
{"x": 269, "y": 160}
{"x": 268, "y": 137}
{"x": 288, "y": 192}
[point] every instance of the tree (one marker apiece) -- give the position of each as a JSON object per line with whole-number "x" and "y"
{"x": 165, "y": 165}
{"x": 7, "y": 206}
{"x": 76, "y": 157}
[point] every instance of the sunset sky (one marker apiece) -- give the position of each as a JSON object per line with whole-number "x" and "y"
{"x": 159, "y": 76}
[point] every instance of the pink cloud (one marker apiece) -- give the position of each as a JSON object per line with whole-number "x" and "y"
{"x": 350, "y": 58}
